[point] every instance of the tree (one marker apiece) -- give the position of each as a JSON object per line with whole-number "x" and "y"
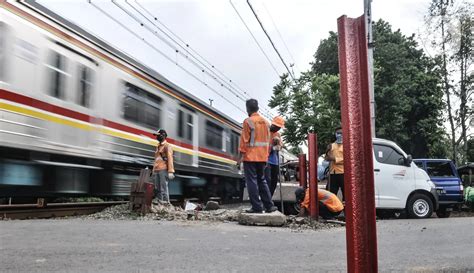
{"x": 463, "y": 59}
{"x": 407, "y": 93}
{"x": 311, "y": 103}
{"x": 325, "y": 58}
{"x": 470, "y": 150}
{"x": 450, "y": 33}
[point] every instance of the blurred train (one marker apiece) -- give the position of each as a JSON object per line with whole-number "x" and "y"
{"x": 77, "y": 116}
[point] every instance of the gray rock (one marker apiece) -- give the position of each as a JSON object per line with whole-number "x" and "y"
{"x": 275, "y": 218}
{"x": 300, "y": 220}
{"x": 212, "y": 205}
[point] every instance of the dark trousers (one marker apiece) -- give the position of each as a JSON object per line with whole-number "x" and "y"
{"x": 326, "y": 213}
{"x": 271, "y": 176}
{"x": 257, "y": 186}
{"x": 336, "y": 181}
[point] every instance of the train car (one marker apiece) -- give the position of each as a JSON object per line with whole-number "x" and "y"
{"x": 77, "y": 116}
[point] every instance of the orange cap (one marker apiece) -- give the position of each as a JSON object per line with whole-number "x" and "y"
{"x": 278, "y": 121}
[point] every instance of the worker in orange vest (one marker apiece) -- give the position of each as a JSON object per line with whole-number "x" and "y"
{"x": 335, "y": 156}
{"x": 329, "y": 205}
{"x": 254, "y": 148}
{"x": 275, "y": 145}
{"x": 163, "y": 168}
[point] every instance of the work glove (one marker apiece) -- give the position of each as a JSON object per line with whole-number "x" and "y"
{"x": 171, "y": 176}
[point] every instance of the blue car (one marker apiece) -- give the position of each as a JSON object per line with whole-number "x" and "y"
{"x": 444, "y": 175}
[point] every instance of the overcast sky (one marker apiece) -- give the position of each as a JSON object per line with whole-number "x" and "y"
{"x": 213, "y": 29}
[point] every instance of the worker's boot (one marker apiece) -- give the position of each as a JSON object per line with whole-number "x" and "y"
{"x": 272, "y": 209}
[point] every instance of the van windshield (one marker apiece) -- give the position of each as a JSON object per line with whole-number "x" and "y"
{"x": 439, "y": 169}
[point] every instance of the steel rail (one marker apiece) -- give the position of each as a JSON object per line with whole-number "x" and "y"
{"x": 31, "y": 211}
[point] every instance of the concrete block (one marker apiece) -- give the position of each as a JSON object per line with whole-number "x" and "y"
{"x": 275, "y": 218}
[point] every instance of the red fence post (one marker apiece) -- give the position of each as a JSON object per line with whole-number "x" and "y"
{"x": 313, "y": 175}
{"x": 302, "y": 170}
{"x": 361, "y": 236}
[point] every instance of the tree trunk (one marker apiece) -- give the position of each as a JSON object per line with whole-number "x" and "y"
{"x": 446, "y": 90}
{"x": 464, "y": 55}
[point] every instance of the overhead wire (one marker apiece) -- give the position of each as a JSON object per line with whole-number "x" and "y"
{"x": 209, "y": 66}
{"x": 281, "y": 36}
{"x": 195, "y": 61}
{"x": 166, "y": 56}
{"x": 270, "y": 39}
{"x": 169, "y": 44}
{"x": 255, "y": 39}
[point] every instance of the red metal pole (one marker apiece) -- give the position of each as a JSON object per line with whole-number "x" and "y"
{"x": 313, "y": 177}
{"x": 361, "y": 236}
{"x": 302, "y": 170}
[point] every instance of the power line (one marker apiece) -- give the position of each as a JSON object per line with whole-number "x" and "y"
{"x": 279, "y": 34}
{"x": 255, "y": 39}
{"x": 270, "y": 39}
{"x": 165, "y": 56}
{"x": 155, "y": 33}
{"x": 242, "y": 95}
{"x": 190, "y": 48}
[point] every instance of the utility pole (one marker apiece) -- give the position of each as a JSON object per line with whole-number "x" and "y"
{"x": 370, "y": 61}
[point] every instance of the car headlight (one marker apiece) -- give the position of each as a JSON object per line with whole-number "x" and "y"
{"x": 432, "y": 185}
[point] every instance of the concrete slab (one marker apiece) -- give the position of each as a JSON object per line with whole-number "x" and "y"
{"x": 275, "y": 218}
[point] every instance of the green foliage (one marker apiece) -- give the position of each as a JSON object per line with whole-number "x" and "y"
{"x": 449, "y": 32}
{"x": 325, "y": 58}
{"x": 407, "y": 94}
{"x": 470, "y": 150}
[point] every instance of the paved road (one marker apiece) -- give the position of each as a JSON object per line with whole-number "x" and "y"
{"x": 76, "y": 245}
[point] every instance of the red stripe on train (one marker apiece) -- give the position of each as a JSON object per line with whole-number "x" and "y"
{"x": 14, "y": 97}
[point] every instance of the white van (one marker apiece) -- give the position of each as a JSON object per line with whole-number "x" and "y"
{"x": 400, "y": 186}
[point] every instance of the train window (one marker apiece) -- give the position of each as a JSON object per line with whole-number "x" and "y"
{"x": 141, "y": 107}
{"x": 234, "y": 143}
{"x": 152, "y": 112}
{"x": 85, "y": 85}
{"x": 3, "y": 42}
{"x": 58, "y": 73}
{"x": 214, "y": 135}
{"x": 190, "y": 126}
{"x": 180, "y": 123}
{"x": 130, "y": 107}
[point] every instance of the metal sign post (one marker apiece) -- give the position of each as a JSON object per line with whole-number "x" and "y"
{"x": 313, "y": 175}
{"x": 361, "y": 235}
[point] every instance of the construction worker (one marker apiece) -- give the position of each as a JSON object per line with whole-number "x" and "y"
{"x": 254, "y": 148}
{"x": 329, "y": 205}
{"x": 275, "y": 145}
{"x": 335, "y": 156}
{"x": 163, "y": 169}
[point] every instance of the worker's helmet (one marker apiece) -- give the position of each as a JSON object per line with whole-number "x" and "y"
{"x": 278, "y": 121}
{"x": 161, "y": 132}
{"x": 299, "y": 194}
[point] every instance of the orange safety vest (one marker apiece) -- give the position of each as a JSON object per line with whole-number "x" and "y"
{"x": 273, "y": 136}
{"x": 337, "y": 166}
{"x": 327, "y": 198}
{"x": 255, "y": 138}
{"x": 164, "y": 158}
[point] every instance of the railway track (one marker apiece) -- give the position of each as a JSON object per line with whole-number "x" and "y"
{"x": 32, "y": 211}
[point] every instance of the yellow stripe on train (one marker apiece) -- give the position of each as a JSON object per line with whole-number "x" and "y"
{"x": 104, "y": 130}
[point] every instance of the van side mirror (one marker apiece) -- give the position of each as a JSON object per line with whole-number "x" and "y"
{"x": 408, "y": 160}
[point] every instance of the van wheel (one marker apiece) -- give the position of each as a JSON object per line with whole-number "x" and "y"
{"x": 443, "y": 213}
{"x": 420, "y": 206}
